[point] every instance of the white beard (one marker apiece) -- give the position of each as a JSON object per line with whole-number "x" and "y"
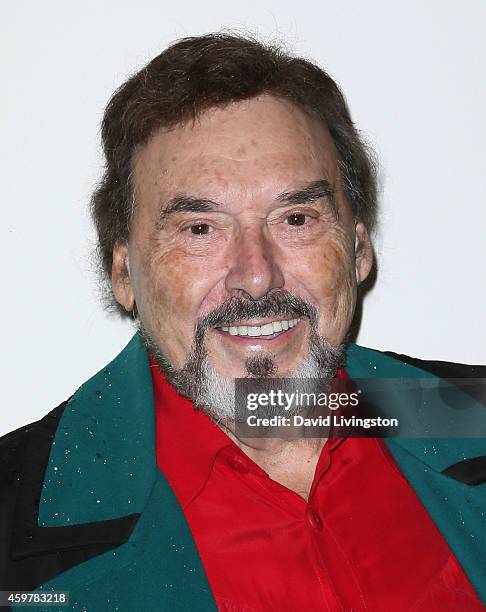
{"x": 214, "y": 393}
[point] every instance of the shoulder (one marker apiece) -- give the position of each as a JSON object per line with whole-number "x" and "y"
{"x": 14, "y": 441}
{"x": 13, "y": 446}
{"x": 442, "y": 369}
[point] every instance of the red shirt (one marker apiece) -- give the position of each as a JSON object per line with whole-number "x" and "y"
{"x": 362, "y": 541}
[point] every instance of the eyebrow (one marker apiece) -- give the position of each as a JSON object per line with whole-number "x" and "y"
{"x": 183, "y": 203}
{"x": 317, "y": 190}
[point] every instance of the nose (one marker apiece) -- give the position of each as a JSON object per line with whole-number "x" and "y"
{"x": 254, "y": 269}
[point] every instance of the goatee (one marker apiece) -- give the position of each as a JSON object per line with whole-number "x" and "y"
{"x": 214, "y": 393}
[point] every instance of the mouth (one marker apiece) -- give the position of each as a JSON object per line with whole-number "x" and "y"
{"x": 266, "y": 331}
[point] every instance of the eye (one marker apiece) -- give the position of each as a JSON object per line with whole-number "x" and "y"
{"x": 199, "y": 229}
{"x": 297, "y": 219}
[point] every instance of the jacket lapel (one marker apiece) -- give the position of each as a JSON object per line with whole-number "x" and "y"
{"x": 158, "y": 568}
{"x": 102, "y": 468}
{"x": 104, "y": 448}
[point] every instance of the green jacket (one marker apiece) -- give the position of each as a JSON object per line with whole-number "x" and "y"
{"x": 102, "y": 467}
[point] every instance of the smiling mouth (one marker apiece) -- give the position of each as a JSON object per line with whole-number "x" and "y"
{"x": 269, "y": 330}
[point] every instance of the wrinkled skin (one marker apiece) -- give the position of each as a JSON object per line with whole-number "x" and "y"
{"x": 181, "y": 267}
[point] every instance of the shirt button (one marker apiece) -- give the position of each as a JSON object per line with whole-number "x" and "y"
{"x": 314, "y": 519}
{"x": 238, "y": 464}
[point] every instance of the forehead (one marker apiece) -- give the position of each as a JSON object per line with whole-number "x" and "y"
{"x": 256, "y": 146}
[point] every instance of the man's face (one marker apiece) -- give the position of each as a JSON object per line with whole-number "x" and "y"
{"x": 245, "y": 203}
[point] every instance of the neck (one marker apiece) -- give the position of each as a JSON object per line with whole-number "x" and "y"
{"x": 289, "y": 461}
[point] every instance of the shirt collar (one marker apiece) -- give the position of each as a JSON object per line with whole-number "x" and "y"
{"x": 188, "y": 441}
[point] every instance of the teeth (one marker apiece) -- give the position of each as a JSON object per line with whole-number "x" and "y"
{"x": 260, "y": 330}
{"x": 254, "y": 331}
{"x": 267, "y": 330}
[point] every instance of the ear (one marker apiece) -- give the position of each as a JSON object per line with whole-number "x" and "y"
{"x": 120, "y": 277}
{"x": 363, "y": 252}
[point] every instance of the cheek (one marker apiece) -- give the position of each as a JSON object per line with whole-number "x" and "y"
{"x": 166, "y": 274}
{"x": 164, "y": 300}
{"x": 328, "y": 271}
{"x": 172, "y": 289}
{"x": 329, "y": 277}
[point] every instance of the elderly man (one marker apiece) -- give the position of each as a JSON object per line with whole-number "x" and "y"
{"x": 234, "y": 222}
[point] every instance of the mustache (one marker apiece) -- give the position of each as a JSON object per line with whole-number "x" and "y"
{"x": 278, "y": 303}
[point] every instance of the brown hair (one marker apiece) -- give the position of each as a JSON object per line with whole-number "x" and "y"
{"x": 197, "y": 73}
